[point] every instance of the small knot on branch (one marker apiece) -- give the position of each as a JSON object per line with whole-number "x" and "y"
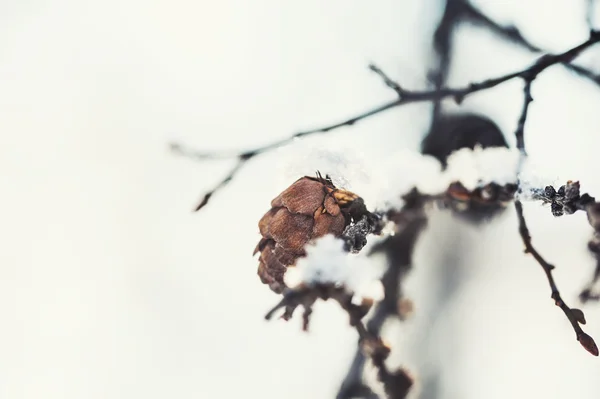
{"x": 387, "y": 80}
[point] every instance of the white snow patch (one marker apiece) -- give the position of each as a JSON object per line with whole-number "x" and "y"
{"x": 326, "y": 262}
{"x": 478, "y": 167}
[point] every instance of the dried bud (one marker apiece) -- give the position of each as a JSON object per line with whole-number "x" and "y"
{"x": 588, "y": 343}
{"x": 550, "y": 192}
{"x": 310, "y": 208}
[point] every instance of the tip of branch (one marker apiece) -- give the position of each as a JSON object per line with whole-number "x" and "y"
{"x": 588, "y": 343}
{"x": 204, "y": 201}
{"x": 175, "y": 147}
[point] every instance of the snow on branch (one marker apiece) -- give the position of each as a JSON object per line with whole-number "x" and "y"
{"x": 405, "y": 96}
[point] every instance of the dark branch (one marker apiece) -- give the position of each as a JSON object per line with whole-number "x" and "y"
{"x": 519, "y": 133}
{"x": 510, "y": 33}
{"x": 575, "y": 316}
{"x": 408, "y": 97}
{"x": 392, "y": 84}
{"x": 220, "y": 185}
{"x": 442, "y": 43}
{"x": 396, "y": 383}
{"x": 410, "y": 221}
{"x": 568, "y": 200}
{"x": 513, "y": 35}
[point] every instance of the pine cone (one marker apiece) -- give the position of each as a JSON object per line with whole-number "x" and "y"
{"x": 308, "y": 209}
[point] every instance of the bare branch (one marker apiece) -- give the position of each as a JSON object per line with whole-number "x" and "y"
{"x": 512, "y": 34}
{"x": 575, "y": 316}
{"x": 387, "y": 80}
{"x": 396, "y": 383}
{"x": 519, "y": 133}
{"x": 568, "y": 200}
{"x": 220, "y": 185}
{"x": 410, "y": 221}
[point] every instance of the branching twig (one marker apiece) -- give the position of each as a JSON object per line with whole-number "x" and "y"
{"x": 392, "y": 84}
{"x": 397, "y": 383}
{"x": 408, "y": 97}
{"x": 410, "y": 221}
{"x": 512, "y": 34}
{"x": 575, "y": 316}
{"x": 568, "y": 200}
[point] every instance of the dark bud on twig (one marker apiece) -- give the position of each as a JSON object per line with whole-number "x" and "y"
{"x": 588, "y": 343}
{"x": 550, "y": 192}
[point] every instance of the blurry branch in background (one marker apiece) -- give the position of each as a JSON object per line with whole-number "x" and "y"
{"x": 513, "y": 35}
{"x": 411, "y": 220}
{"x": 409, "y": 223}
{"x": 471, "y": 14}
{"x": 589, "y": 14}
{"x": 404, "y": 97}
{"x": 396, "y": 383}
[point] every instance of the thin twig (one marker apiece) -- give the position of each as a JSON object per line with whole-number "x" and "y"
{"x": 408, "y": 97}
{"x": 575, "y": 316}
{"x": 512, "y": 34}
{"x": 568, "y": 200}
{"x": 220, "y": 185}
{"x": 519, "y": 133}
{"x": 387, "y": 80}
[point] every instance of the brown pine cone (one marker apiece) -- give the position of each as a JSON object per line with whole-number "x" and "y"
{"x": 310, "y": 208}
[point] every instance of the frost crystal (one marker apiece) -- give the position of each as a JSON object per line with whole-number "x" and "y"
{"x": 326, "y": 262}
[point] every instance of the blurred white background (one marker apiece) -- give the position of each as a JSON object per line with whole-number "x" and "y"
{"x": 112, "y": 288}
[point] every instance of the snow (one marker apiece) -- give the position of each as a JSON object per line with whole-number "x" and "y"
{"x": 326, "y": 262}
